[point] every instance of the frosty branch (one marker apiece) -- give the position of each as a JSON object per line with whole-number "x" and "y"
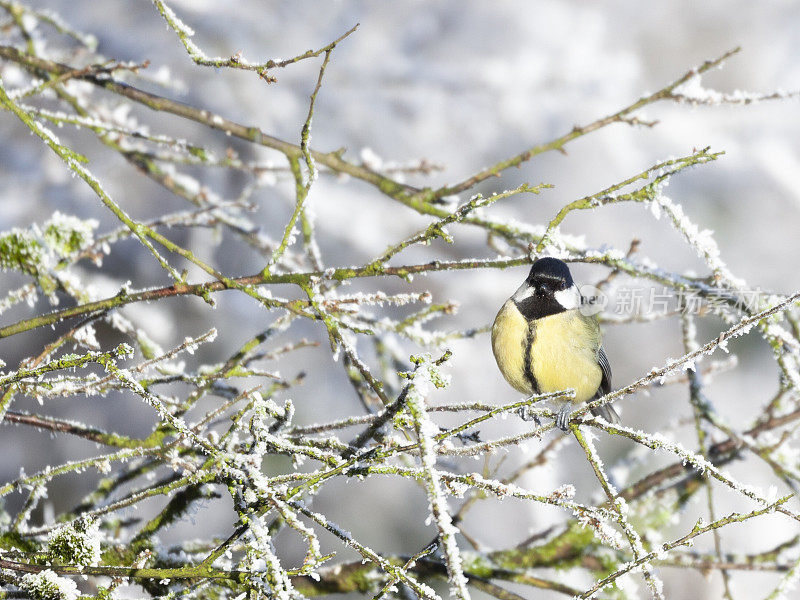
{"x": 233, "y": 427}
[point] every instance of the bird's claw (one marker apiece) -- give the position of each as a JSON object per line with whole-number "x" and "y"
{"x": 563, "y": 417}
{"x": 526, "y": 414}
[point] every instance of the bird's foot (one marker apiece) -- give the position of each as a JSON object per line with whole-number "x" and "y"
{"x": 526, "y": 414}
{"x": 563, "y": 416}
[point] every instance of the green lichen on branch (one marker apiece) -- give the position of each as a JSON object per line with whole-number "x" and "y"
{"x": 230, "y": 432}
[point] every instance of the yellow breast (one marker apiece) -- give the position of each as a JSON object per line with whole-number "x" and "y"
{"x": 564, "y": 354}
{"x": 509, "y": 339}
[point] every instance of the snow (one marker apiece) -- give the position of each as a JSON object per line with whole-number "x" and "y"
{"x": 47, "y": 585}
{"x": 76, "y": 543}
{"x": 693, "y": 92}
{"x": 370, "y": 159}
{"x": 426, "y": 376}
{"x": 702, "y": 240}
{"x": 440, "y": 83}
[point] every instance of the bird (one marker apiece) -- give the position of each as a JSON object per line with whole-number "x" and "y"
{"x": 544, "y": 343}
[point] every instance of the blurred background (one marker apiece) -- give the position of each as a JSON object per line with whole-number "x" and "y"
{"x": 461, "y": 84}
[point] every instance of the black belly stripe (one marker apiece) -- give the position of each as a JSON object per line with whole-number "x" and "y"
{"x": 527, "y": 364}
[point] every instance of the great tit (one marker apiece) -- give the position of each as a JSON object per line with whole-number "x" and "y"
{"x": 543, "y": 343}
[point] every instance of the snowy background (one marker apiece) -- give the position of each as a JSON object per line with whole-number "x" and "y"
{"x": 461, "y": 84}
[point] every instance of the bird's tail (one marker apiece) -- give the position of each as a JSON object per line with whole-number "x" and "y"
{"x": 608, "y": 413}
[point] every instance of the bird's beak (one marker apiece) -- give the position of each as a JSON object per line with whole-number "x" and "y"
{"x": 525, "y": 291}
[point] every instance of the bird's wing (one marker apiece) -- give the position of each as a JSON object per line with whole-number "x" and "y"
{"x": 602, "y": 360}
{"x": 607, "y": 412}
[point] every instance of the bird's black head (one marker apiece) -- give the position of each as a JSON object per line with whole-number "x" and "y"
{"x": 548, "y": 290}
{"x": 550, "y": 273}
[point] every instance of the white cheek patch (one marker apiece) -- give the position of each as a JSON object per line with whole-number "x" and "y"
{"x": 524, "y": 291}
{"x": 569, "y": 298}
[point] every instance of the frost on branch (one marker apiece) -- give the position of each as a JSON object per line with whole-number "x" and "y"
{"x": 238, "y": 458}
{"x": 76, "y": 543}
{"x": 46, "y": 585}
{"x": 427, "y": 374}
